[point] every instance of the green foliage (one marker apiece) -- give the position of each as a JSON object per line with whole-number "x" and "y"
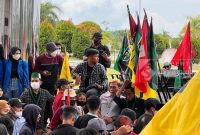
{"x": 64, "y": 33}
{"x": 80, "y": 41}
{"x": 47, "y": 34}
{"x": 48, "y": 12}
{"x": 162, "y": 43}
{"x": 89, "y": 27}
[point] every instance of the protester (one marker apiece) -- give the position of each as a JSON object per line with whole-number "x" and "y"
{"x": 38, "y": 96}
{"x": 16, "y": 77}
{"x": 15, "y": 114}
{"x": 62, "y": 85}
{"x": 109, "y": 109}
{"x": 131, "y": 101}
{"x": 4, "y": 107}
{"x": 104, "y": 51}
{"x": 31, "y": 113}
{"x": 93, "y": 104}
{"x": 91, "y": 75}
{"x": 98, "y": 124}
{"x": 88, "y": 131}
{"x": 8, "y": 123}
{"x": 81, "y": 101}
{"x": 59, "y": 48}
{"x": 3, "y": 130}
{"x": 2, "y": 68}
{"x": 129, "y": 113}
{"x": 150, "y": 110}
{"x": 69, "y": 117}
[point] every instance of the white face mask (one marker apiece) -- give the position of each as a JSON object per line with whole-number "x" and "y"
{"x": 58, "y": 51}
{"x": 53, "y": 54}
{"x": 18, "y": 114}
{"x": 16, "y": 56}
{"x": 35, "y": 85}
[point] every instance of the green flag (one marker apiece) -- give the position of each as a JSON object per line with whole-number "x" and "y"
{"x": 123, "y": 57}
{"x": 152, "y": 56}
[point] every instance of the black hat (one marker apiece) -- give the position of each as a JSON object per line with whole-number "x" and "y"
{"x": 14, "y": 49}
{"x": 51, "y": 47}
{"x": 61, "y": 82}
{"x": 91, "y": 51}
{"x": 97, "y": 35}
{"x": 15, "y": 102}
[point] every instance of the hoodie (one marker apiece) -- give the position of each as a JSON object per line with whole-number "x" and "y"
{"x": 30, "y": 113}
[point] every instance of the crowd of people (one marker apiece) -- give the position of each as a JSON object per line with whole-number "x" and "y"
{"x": 34, "y": 100}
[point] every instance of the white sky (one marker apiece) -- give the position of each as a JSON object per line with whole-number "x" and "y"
{"x": 168, "y": 15}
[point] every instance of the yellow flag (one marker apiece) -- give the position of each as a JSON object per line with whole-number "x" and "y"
{"x": 181, "y": 115}
{"x": 151, "y": 93}
{"x": 65, "y": 71}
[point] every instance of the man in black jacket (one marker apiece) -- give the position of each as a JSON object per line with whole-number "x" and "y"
{"x": 131, "y": 101}
{"x": 69, "y": 117}
{"x": 104, "y": 52}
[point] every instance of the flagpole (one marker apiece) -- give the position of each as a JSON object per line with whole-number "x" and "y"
{"x": 190, "y": 53}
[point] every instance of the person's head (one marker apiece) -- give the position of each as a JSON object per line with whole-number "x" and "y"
{"x": 150, "y": 105}
{"x": 129, "y": 113}
{"x": 114, "y": 86}
{"x": 69, "y": 115}
{"x": 31, "y": 113}
{"x": 121, "y": 121}
{"x": 129, "y": 92}
{"x": 15, "y": 53}
{"x": 97, "y": 124}
{"x": 81, "y": 99}
{"x": 62, "y": 84}
{"x": 97, "y": 37}
{"x": 51, "y": 49}
{"x": 35, "y": 81}
{"x": 8, "y": 123}
{"x": 3, "y": 130}
{"x": 4, "y": 107}
{"x": 16, "y": 106}
{"x": 1, "y": 52}
{"x": 59, "y": 47}
{"x": 92, "y": 55}
{"x": 72, "y": 95}
{"x": 93, "y": 103}
{"x": 88, "y": 131}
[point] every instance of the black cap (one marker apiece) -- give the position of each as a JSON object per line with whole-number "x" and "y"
{"x": 15, "y": 102}
{"x": 97, "y": 35}
{"x": 61, "y": 82}
{"x": 91, "y": 51}
{"x": 14, "y": 49}
{"x": 51, "y": 47}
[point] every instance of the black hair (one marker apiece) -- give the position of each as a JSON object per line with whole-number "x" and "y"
{"x": 129, "y": 113}
{"x": 61, "y": 82}
{"x": 1, "y": 52}
{"x": 150, "y": 102}
{"x": 68, "y": 112}
{"x": 130, "y": 87}
{"x": 3, "y": 129}
{"x": 58, "y": 44}
{"x": 93, "y": 103}
{"x": 8, "y": 123}
{"x": 88, "y": 131}
{"x": 122, "y": 120}
{"x": 81, "y": 93}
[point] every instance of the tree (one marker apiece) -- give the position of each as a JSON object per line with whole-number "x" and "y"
{"x": 80, "y": 41}
{"x": 48, "y": 12}
{"x": 64, "y": 33}
{"x": 162, "y": 43}
{"x": 47, "y": 34}
{"x": 89, "y": 27}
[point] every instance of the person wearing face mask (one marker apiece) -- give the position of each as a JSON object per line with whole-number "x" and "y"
{"x": 59, "y": 49}
{"x": 15, "y": 114}
{"x": 16, "y": 77}
{"x": 104, "y": 52}
{"x": 38, "y": 96}
{"x": 81, "y": 101}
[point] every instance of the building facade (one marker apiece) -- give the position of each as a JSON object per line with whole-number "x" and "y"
{"x": 19, "y": 25}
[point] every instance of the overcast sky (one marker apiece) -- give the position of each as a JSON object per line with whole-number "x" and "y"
{"x": 168, "y": 15}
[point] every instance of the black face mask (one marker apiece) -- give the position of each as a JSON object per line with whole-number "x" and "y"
{"x": 81, "y": 103}
{"x": 97, "y": 42}
{"x": 72, "y": 102}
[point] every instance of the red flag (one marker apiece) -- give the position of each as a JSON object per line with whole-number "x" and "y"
{"x": 133, "y": 25}
{"x": 185, "y": 52}
{"x": 142, "y": 71}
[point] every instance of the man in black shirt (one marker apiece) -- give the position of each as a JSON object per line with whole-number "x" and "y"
{"x": 104, "y": 51}
{"x": 69, "y": 117}
{"x": 131, "y": 101}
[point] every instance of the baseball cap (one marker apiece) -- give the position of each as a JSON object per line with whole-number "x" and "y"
{"x": 15, "y": 102}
